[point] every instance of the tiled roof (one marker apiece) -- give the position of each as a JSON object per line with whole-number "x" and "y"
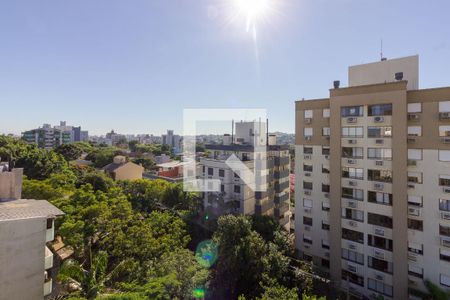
{"x": 27, "y": 208}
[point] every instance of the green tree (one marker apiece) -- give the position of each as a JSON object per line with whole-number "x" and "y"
{"x": 69, "y": 151}
{"x": 147, "y": 163}
{"x": 436, "y": 293}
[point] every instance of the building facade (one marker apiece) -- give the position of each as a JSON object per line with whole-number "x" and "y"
{"x": 373, "y": 183}
{"x": 26, "y": 226}
{"x": 261, "y": 156}
{"x": 49, "y": 137}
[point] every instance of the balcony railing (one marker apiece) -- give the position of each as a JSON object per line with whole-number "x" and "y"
{"x": 48, "y": 259}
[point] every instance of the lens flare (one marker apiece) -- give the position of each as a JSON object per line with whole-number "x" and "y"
{"x": 198, "y": 293}
{"x": 206, "y": 253}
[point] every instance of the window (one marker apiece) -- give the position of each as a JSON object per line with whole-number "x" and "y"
{"x": 415, "y": 224}
{"x": 325, "y": 263}
{"x": 49, "y": 223}
{"x": 380, "y": 110}
{"x": 325, "y": 226}
{"x": 415, "y": 248}
{"x": 379, "y": 132}
{"x": 414, "y": 130}
{"x": 352, "y": 152}
{"x": 352, "y": 235}
{"x": 444, "y": 230}
{"x": 308, "y": 114}
{"x": 379, "y": 198}
{"x": 352, "y": 132}
{"x": 307, "y": 239}
{"x": 444, "y": 204}
{"x": 203, "y": 169}
{"x": 352, "y": 111}
{"x": 353, "y": 214}
{"x": 237, "y": 189}
{"x": 325, "y": 206}
{"x": 326, "y": 113}
{"x": 415, "y": 200}
{"x": 352, "y": 173}
{"x": 307, "y": 168}
{"x": 326, "y": 131}
{"x": 444, "y": 280}
{"x": 444, "y": 255}
{"x": 444, "y": 155}
{"x": 307, "y": 221}
{"x": 379, "y": 175}
{"x": 352, "y": 277}
{"x": 210, "y": 171}
{"x": 352, "y": 256}
{"x": 325, "y": 169}
{"x": 379, "y": 220}
{"x": 307, "y": 185}
{"x": 414, "y": 107}
{"x": 379, "y": 242}
{"x": 379, "y": 287}
{"x": 308, "y": 203}
{"x": 325, "y": 244}
{"x": 379, "y": 264}
{"x": 307, "y": 131}
{"x": 236, "y": 174}
{"x": 444, "y": 106}
{"x": 415, "y": 177}
{"x": 444, "y": 180}
{"x": 444, "y": 130}
{"x": 415, "y": 154}
{"x": 222, "y": 188}
{"x": 325, "y": 188}
{"x": 325, "y": 150}
{"x": 379, "y": 153}
{"x": 354, "y": 194}
{"x": 307, "y": 150}
{"x": 221, "y": 173}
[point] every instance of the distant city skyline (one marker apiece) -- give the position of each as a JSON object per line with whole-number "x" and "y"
{"x": 134, "y": 67}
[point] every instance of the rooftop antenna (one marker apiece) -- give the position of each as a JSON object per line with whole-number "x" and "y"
{"x": 381, "y": 51}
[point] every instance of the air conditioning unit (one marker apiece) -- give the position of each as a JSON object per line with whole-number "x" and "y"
{"x": 413, "y": 211}
{"x": 411, "y": 186}
{"x": 379, "y": 141}
{"x": 351, "y": 268}
{"x": 378, "y": 119}
{"x": 352, "y": 204}
{"x": 378, "y": 186}
{"x": 444, "y": 115}
{"x": 327, "y": 137}
{"x": 378, "y": 254}
{"x": 308, "y": 174}
{"x": 307, "y": 138}
{"x": 411, "y": 257}
{"x": 327, "y": 157}
{"x": 307, "y": 192}
{"x": 351, "y": 161}
{"x": 445, "y": 215}
{"x": 307, "y": 210}
{"x": 352, "y": 183}
{"x": 352, "y": 141}
{"x": 379, "y": 277}
{"x": 379, "y": 163}
{"x": 446, "y": 140}
{"x": 413, "y": 116}
{"x": 352, "y": 246}
{"x": 308, "y": 120}
{"x": 326, "y": 195}
{"x": 411, "y": 140}
{"x": 306, "y": 156}
{"x": 352, "y": 223}
{"x": 446, "y": 189}
{"x": 445, "y": 242}
{"x": 379, "y": 231}
{"x": 352, "y": 120}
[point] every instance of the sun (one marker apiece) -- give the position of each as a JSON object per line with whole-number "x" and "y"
{"x": 253, "y": 8}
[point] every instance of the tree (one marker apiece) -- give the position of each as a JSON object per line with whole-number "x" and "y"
{"x": 132, "y": 145}
{"x": 147, "y": 163}
{"x": 436, "y": 293}
{"x": 69, "y": 151}
{"x": 97, "y": 179}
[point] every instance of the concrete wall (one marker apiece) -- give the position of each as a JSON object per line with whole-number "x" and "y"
{"x": 22, "y": 251}
{"x": 11, "y": 184}
{"x": 129, "y": 171}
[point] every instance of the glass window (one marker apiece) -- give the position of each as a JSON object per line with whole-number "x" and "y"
{"x": 307, "y": 150}
{"x": 308, "y": 131}
{"x": 307, "y": 185}
{"x": 415, "y": 200}
{"x": 308, "y": 203}
{"x": 380, "y": 287}
{"x": 379, "y": 220}
{"x": 221, "y": 173}
{"x": 307, "y": 168}
{"x": 210, "y": 171}
{"x": 379, "y": 132}
{"x": 307, "y": 221}
{"x": 354, "y": 194}
{"x": 444, "y": 254}
{"x": 352, "y": 235}
{"x": 414, "y": 107}
{"x": 351, "y": 111}
{"x": 379, "y": 197}
{"x": 379, "y": 242}
{"x": 415, "y": 224}
{"x": 444, "y": 280}
{"x": 379, "y": 153}
{"x": 325, "y": 226}
{"x": 444, "y": 204}
{"x": 415, "y": 177}
{"x": 352, "y": 256}
{"x": 352, "y": 132}
{"x": 353, "y": 173}
{"x": 415, "y": 154}
{"x": 325, "y": 150}
{"x": 379, "y": 264}
{"x": 326, "y": 112}
{"x": 308, "y": 113}
{"x": 444, "y": 155}
{"x": 380, "y": 110}
{"x": 414, "y": 130}
{"x": 444, "y": 106}
{"x": 415, "y": 248}
{"x": 353, "y": 214}
{"x": 444, "y": 180}
{"x": 444, "y": 230}
{"x": 237, "y": 189}
{"x": 379, "y": 175}
{"x": 353, "y": 152}
{"x": 326, "y": 131}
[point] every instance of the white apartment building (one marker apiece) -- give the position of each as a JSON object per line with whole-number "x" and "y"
{"x": 26, "y": 226}
{"x": 373, "y": 182}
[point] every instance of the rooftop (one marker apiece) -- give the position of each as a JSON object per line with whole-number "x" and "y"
{"x": 27, "y": 209}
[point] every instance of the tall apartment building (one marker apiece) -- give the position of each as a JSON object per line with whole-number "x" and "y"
{"x": 48, "y": 137}
{"x": 251, "y": 145}
{"x": 373, "y": 182}
{"x": 26, "y": 226}
{"x": 172, "y": 140}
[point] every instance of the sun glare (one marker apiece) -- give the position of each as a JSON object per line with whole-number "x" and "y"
{"x": 252, "y": 10}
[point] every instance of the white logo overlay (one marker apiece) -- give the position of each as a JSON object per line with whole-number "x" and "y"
{"x": 244, "y": 155}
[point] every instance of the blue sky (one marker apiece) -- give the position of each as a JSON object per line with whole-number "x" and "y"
{"x": 133, "y": 65}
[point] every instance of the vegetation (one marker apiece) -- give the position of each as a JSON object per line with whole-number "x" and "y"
{"x": 136, "y": 239}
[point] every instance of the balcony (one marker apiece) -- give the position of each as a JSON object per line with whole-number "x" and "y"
{"x": 281, "y": 210}
{"x": 281, "y": 174}
{"x": 281, "y": 199}
{"x": 48, "y": 260}
{"x": 48, "y": 287}
{"x": 444, "y": 116}
{"x": 261, "y": 209}
{"x": 413, "y": 116}
{"x": 281, "y": 160}
{"x": 281, "y": 186}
